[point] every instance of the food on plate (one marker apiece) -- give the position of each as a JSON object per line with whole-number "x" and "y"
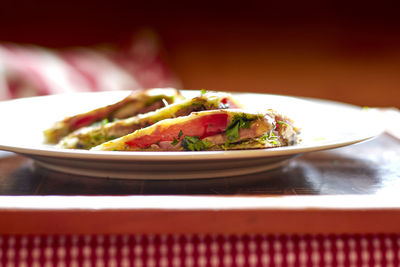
{"x": 163, "y": 120}
{"x": 136, "y": 103}
{"x": 87, "y": 137}
{"x": 222, "y": 129}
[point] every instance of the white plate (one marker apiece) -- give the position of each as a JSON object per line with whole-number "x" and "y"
{"x": 325, "y": 125}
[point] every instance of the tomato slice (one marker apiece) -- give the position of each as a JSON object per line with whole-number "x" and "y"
{"x": 82, "y": 121}
{"x": 201, "y": 127}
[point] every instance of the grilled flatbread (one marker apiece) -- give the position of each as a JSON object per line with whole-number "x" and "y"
{"x": 87, "y": 137}
{"x": 223, "y": 129}
{"x": 136, "y": 103}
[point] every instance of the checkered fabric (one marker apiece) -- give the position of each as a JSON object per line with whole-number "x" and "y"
{"x": 200, "y": 250}
{"x": 28, "y": 70}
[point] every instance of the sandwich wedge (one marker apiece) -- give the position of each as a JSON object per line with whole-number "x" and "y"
{"x": 223, "y": 129}
{"x": 136, "y": 103}
{"x": 88, "y": 137}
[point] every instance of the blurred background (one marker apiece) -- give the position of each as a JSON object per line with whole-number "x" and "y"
{"x": 344, "y": 51}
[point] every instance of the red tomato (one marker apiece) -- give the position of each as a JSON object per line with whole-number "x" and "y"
{"x": 201, "y": 127}
{"x": 83, "y": 121}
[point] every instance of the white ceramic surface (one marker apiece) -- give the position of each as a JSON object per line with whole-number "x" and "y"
{"x": 324, "y": 124}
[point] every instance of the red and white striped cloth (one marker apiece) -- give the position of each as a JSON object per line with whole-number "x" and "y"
{"x": 200, "y": 250}
{"x": 28, "y": 70}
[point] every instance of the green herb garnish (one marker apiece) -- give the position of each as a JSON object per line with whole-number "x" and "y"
{"x": 180, "y": 134}
{"x": 203, "y": 91}
{"x": 193, "y": 143}
{"x": 105, "y": 121}
{"x": 232, "y": 132}
{"x": 283, "y": 123}
{"x": 176, "y": 140}
{"x": 239, "y": 122}
{"x": 270, "y": 137}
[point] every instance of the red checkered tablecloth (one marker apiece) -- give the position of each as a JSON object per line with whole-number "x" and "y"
{"x": 200, "y": 250}
{"x": 29, "y": 70}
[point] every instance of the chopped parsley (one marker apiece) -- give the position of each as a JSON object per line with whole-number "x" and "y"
{"x": 232, "y": 132}
{"x": 193, "y": 143}
{"x": 105, "y": 121}
{"x": 97, "y": 137}
{"x": 239, "y": 122}
{"x": 176, "y": 140}
{"x": 270, "y": 137}
{"x": 180, "y": 134}
{"x": 283, "y": 123}
{"x": 203, "y": 91}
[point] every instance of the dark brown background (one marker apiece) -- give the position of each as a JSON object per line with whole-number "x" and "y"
{"x": 346, "y": 51}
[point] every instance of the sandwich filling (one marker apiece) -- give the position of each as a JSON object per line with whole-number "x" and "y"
{"x": 209, "y": 130}
{"x": 136, "y": 103}
{"x": 87, "y": 137}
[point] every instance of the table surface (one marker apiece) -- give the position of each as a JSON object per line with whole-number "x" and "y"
{"x": 334, "y": 190}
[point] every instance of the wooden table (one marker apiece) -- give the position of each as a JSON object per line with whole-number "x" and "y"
{"x": 353, "y": 189}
